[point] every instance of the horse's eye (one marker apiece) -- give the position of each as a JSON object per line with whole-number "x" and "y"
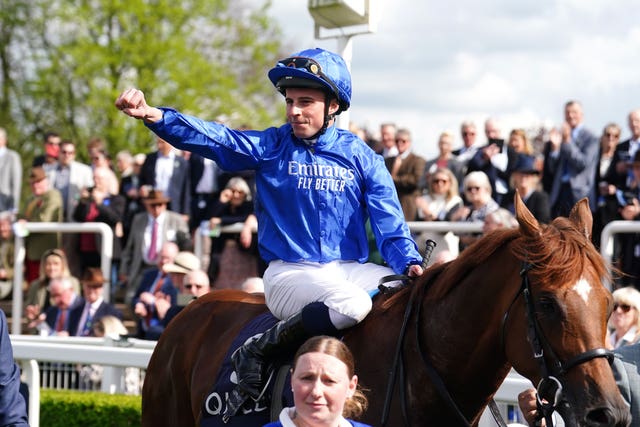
{"x": 546, "y": 305}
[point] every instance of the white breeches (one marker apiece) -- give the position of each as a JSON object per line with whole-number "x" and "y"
{"x": 343, "y": 286}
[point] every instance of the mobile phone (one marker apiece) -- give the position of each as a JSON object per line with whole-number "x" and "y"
{"x": 184, "y": 299}
{"x": 497, "y": 141}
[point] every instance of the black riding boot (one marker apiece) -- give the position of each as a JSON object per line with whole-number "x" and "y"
{"x": 250, "y": 359}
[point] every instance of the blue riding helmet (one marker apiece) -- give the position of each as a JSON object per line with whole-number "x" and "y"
{"x": 315, "y": 68}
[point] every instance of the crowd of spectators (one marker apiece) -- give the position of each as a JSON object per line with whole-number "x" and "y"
{"x": 156, "y": 205}
{"x": 550, "y": 169}
{"x": 167, "y": 199}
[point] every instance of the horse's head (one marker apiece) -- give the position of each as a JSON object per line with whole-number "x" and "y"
{"x": 555, "y": 328}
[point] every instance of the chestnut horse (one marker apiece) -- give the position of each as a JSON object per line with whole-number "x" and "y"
{"x": 535, "y": 290}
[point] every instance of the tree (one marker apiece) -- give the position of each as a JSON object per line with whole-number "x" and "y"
{"x": 73, "y": 57}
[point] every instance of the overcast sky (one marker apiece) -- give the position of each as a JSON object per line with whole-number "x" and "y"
{"x": 433, "y": 64}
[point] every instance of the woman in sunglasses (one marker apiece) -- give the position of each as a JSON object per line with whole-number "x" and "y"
{"x": 625, "y": 319}
{"x": 316, "y": 187}
{"x": 479, "y": 203}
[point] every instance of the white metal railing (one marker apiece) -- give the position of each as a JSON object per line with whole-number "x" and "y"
{"x": 414, "y": 226}
{"x": 22, "y": 230}
{"x": 114, "y": 355}
{"x": 610, "y": 230}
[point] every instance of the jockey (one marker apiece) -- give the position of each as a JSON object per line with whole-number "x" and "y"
{"x": 316, "y": 187}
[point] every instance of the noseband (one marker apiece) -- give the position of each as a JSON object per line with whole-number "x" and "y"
{"x": 549, "y": 385}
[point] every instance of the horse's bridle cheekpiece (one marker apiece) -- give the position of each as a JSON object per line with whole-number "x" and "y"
{"x": 550, "y": 387}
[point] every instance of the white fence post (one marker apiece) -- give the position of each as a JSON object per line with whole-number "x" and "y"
{"x": 21, "y": 230}
{"x": 31, "y": 372}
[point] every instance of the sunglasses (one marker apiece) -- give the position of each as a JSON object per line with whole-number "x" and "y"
{"x": 311, "y": 66}
{"x": 440, "y": 180}
{"x": 189, "y": 286}
{"x": 624, "y": 307}
{"x": 472, "y": 189}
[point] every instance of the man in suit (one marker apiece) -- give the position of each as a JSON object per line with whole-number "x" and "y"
{"x": 406, "y": 170}
{"x": 621, "y": 174}
{"x": 205, "y": 188}
{"x": 155, "y": 286}
{"x": 388, "y": 146}
{"x": 572, "y": 161}
{"x": 60, "y": 317}
{"x": 94, "y": 307}
{"x": 166, "y": 171}
{"x": 143, "y": 244}
{"x": 69, "y": 177}
{"x": 13, "y": 409}
{"x": 45, "y": 205}
{"x": 626, "y": 371}
{"x": 495, "y": 159}
{"x": 469, "y": 132}
{"x": 10, "y": 175}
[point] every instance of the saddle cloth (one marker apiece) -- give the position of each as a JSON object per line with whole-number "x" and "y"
{"x": 257, "y": 413}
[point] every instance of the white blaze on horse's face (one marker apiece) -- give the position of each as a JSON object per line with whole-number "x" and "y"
{"x": 583, "y": 288}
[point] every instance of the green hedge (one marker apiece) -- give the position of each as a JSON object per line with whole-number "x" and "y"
{"x": 63, "y": 408}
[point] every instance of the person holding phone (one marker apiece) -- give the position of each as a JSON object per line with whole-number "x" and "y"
{"x": 494, "y": 159}
{"x": 620, "y": 174}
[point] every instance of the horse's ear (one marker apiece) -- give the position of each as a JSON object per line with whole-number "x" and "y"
{"x": 580, "y": 215}
{"x": 528, "y": 223}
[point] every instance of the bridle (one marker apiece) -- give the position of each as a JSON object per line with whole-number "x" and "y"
{"x": 549, "y": 372}
{"x": 550, "y": 385}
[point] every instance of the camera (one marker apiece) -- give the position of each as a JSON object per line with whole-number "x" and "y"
{"x": 624, "y": 198}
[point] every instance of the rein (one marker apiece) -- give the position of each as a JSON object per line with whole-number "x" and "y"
{"x": 417, "y": 293}
{"x": 396, "y": 365}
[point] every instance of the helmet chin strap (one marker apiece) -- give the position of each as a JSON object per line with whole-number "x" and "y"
{"x": 327, "y": 117}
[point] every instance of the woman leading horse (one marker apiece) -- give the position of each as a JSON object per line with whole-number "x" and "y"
{"x": 530, "y": 298}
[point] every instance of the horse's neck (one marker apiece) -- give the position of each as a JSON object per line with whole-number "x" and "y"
{"x": 460, "y": 335}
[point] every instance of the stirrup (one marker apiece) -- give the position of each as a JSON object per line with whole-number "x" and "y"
{"x": 235, "y": 401}
{"x": 265, "y": 386}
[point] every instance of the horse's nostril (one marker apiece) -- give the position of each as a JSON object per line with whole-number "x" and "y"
{"x": 599, "y": 417}
{"x": 605, "y": 417}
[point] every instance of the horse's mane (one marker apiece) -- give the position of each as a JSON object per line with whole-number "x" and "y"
{"x": 558, "y": 254}
{"x": 451, "y": 273}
